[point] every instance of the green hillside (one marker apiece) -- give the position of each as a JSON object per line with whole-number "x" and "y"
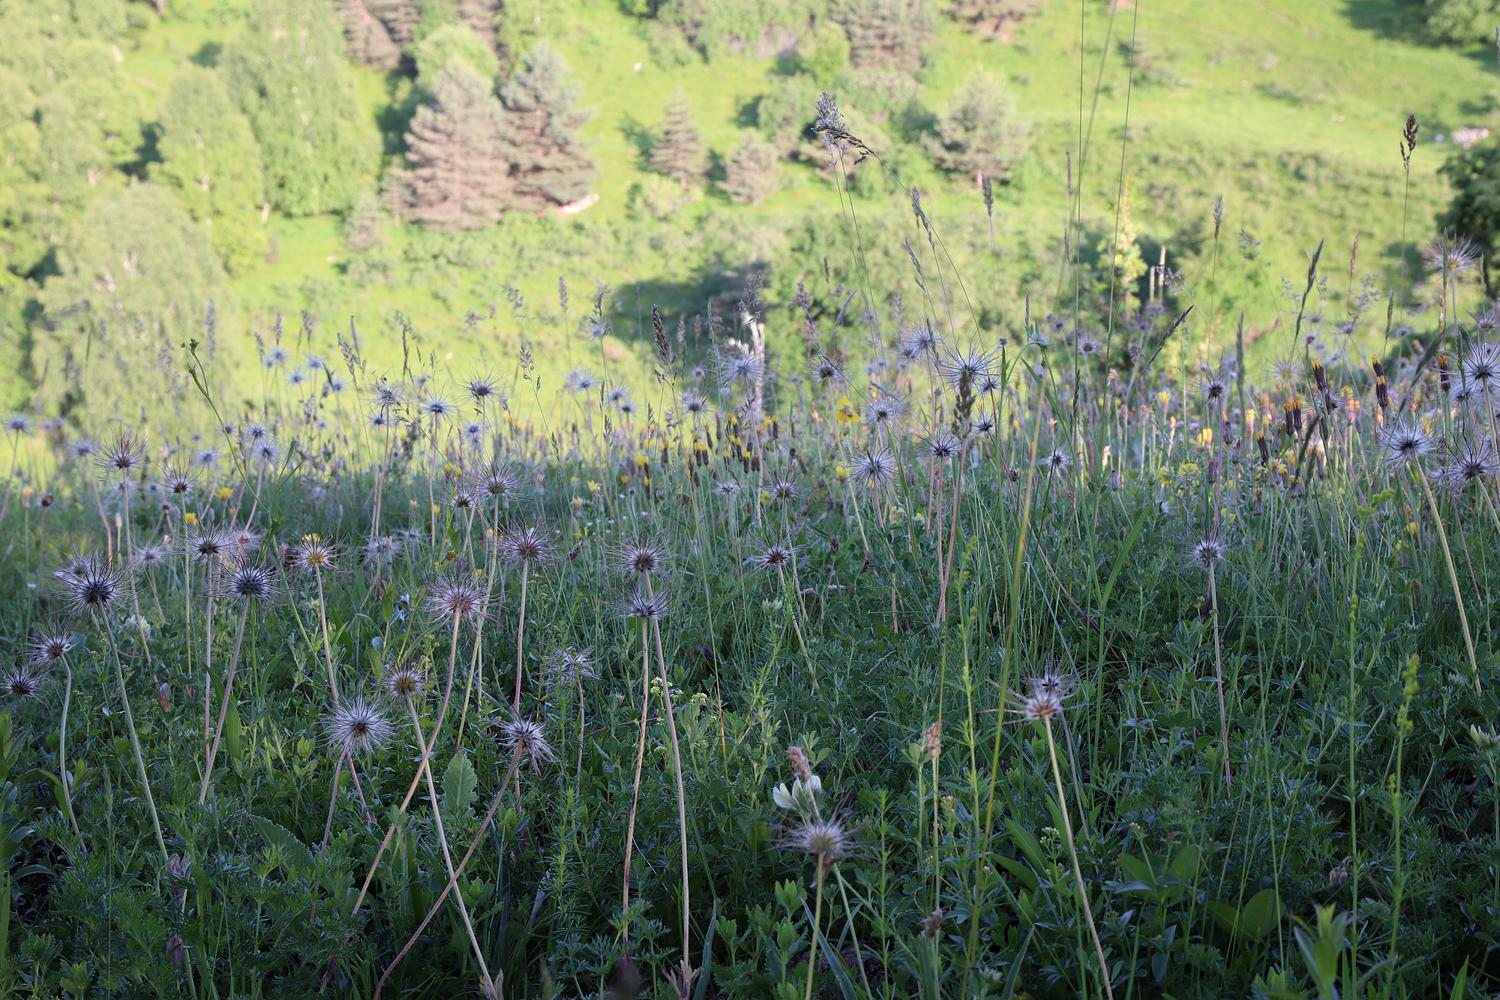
{"x": 1291, "y": 111}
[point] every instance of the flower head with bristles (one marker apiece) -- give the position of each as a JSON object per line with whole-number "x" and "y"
{"x": 407, "y": 682}
{"x": 49, "y": 647}
{"x": 124, "y": 455}
{"x": 357, "y": 727}
{"x": 525, "y": 546}
{"x": 572, "y": 664}
{"x": 457, "y": 597}
{"x": 527, "y": 741}
{"x": 775, "y": 557}
{"x": 498, "y": 482}
{"x": 642, "y": 558}
{"x": 645, "y": 604}
{"x": 873, "y": 467}
{"x": 1404, "y": 443}
{"x": 210, "y": 545}
{"x": 22, "y": 681}
{"x": 825, "y": 839}
{"x": 972, "y": 366}
{"x": 1208, "y": 551}
{"x": 248, "y": 582}
{"x": 178, "y": 483}
{"x": 1468, "y": 462}
{"x": 313, "y": 555}
{"x": 92, "y": 587}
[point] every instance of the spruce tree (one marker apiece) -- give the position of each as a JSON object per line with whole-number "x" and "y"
{"x": 289, "y": 76}
{"x": 979, "y": 134}
{"x": 368, "y": 39}
{"x": 364, "y": 228}
{"x": 211, "y": 161}
{"x": 886, "y": 34}
{"x": 482, "y": 17}
{"x": 677, "y": 148}
{"x": 751, "y": 171}
{"x": 995, "y": 17}
{"x": 540, "y": 124}
{"x": 457, "y": 173}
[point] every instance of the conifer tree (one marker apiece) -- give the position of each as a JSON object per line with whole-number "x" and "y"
{"x": 751, "y": 171}
{"x": 979, "y": 134}
{"x": 364, "y": 229}
{"x": 677, "y": 148}
{"x": 887, "y": 34}
{"x": 368, "y": 39}
{"x": 457, "y": 173}
{"x": 995, "y": 17}
{"x": 540, "y": 122}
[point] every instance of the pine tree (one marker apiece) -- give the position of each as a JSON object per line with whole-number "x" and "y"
{"x": 677, "y": 148}
{"x": 289, "y": 76}
{"x": 752, "y": 171}
{"x": 211, "y": 161}
{"x": 887, "y": 34}
{"x": 540, "y": 124}
{"x": 364, "y": 228}
{"x": 995, "y": 17}
{"x": 400, "y": 17}
{"x": 458, "y": 173}
{"x": 979, "y": 134}
{"x": 368, "y": 39}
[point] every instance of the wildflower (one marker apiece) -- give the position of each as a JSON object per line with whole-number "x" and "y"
{"x": 1039, "y": 704}
{"x": 1058, "y": 461}
{"x": 1480, "y": 367}
{"x": 406, "y": 683}
{"x": 775, "y": 557}
{"x": 49, "y": 647}
{"x": 579, "y": 381}
{"x": 1404, "y": 443}
{"x": 457, "y": 597}
{"x": 573, "y": 664}
{"x": 971, "y": 366}
{"x": 498, "y": 482}
{"x": 22, "y": 681}
{"x": 874, "y": 467}
{"x": 528, "y": 741}
{"x": 177, "y": 482}
{"x": 480, "y": 389}
{"x": 825, "y": 372}
{"x": 1450, "y": 254}
{"x": 694, "y": 404}
{"x": 357, "y": 727}
{"x": 92, "y": 587}
{"x": 884, "y": 410}
{"x": 209, "y": 544}
{"x": 313, "y": 554}
{"x": 642, "y": 558}
{"x": 941, "y": 447}
{"x": 738, "y": 365}
{"x": 825, "y": 839}
{"x": 784, "y": 489}
{"x": 437, "y": 407}
{"x": 250, "y": 583}
{"x": 150, "y": 556}
{"x": 646, "y": 604}
{"x": 525, "y": 546}
{"x": 1208, "y": 551}
{"x": 123, "y": 455}
{"x": 1468, "y": 462}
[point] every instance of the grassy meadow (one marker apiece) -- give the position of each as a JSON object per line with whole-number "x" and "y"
{"x": 872, "y": 592}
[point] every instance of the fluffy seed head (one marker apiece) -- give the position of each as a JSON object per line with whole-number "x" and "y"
{"x": 357, "y": 727}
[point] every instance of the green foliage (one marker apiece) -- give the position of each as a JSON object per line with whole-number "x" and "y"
{"x": 457, "y": 173}
{"x": 67, "y": 120}
{"x": 135, "y": 275}
{"x": 454, "y": 41}
{"x": 823, "y": 53}
{"x": 677, "y": 147}
{"x": 718, "y": 27}
{"x": 209, "y": 158}
{"x": 979, "y": 133}
{"x": 1474, "y": 211}
{"x": 1463, "y": 22}
{"x": 751, "y": 171}
{"x": 289, "y": 76}
{"x": 540, "y": 126}
{"x": 994, "y": 17}
{"x": 886, "y": 35}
